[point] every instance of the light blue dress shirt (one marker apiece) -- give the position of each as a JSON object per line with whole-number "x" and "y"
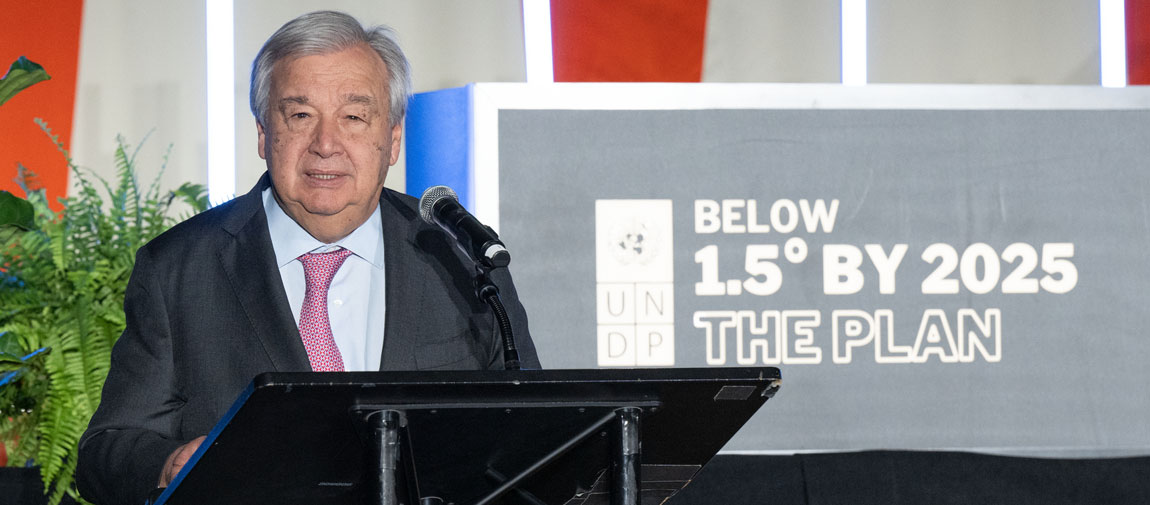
{"x": 355, "y": 301}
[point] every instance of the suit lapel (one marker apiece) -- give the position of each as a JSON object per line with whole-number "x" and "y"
{"x": 403, "y": 273}
{"x": 249, "y": 261}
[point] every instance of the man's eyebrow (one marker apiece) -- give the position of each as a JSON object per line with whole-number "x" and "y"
{"x": 362, "y": 99}
{"x": 302, "y": 100}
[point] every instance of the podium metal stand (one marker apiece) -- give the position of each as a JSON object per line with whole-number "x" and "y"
{"x": 578, "y": 437}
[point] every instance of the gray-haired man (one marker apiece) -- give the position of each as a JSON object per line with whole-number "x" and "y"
{"x": 239, "y": 290}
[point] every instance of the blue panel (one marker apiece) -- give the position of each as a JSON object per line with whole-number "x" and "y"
{"x": 438, "y": 142}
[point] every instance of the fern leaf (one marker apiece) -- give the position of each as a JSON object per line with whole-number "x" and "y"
{"x": 62, "y": 285}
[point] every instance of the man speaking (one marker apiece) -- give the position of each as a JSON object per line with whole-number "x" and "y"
{"x": 316, "y": 268}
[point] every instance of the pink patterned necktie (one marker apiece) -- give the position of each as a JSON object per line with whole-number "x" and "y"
{"x": 314, "y": 326}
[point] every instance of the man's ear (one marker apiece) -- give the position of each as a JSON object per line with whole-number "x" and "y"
{"x": 262, "y": 139}
{"x": 396, "y": 142}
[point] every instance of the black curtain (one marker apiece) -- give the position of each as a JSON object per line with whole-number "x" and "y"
{"x": 917, "y": 478}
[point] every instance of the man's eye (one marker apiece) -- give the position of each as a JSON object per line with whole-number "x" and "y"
{"x": 300, "y": 115}
{"x": 354, "y": 117}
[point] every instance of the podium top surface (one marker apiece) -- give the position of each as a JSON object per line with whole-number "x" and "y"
{"x": 519, "y": 377}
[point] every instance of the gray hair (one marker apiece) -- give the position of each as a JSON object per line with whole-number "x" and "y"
{"x": 324, "y": 32}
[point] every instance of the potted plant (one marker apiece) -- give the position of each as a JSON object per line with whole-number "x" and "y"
{"x": 62, "y": 281}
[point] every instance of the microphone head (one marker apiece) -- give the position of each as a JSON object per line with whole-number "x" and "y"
{"x": 432, "y": 196}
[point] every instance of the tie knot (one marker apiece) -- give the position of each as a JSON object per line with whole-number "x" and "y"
{"x": 319, "y": 268}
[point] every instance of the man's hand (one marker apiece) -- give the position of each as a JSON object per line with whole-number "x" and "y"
{"x": 176, "y": 461}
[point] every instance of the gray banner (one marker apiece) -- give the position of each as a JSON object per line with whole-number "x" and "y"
{"x": 925, "y": 279}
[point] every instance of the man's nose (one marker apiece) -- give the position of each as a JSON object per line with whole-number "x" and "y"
{"x": 325, "y": 141}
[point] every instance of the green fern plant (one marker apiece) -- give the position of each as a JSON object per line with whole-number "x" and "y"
{"x": 61, "y": 306}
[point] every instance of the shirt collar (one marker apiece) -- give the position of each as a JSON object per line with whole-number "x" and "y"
{"x": 290, "y": 240}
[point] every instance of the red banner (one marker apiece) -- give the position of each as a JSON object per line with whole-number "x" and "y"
{"x": 47, "y": 33}
{"x": 1138, "y": 41}
{"x": 633, "y": 41}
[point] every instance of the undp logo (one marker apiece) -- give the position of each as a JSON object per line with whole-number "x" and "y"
{"x": 635, "y": 294}
{"x": 635, "y": 241}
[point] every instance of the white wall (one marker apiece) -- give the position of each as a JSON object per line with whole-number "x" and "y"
{"x": 983, "y": 41}
{"x": 772, "y": 41}
{"x": 142, "y": 70}
{"x": 142, "y": 63}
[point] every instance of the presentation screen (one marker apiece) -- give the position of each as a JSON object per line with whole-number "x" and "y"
{"x": 935, "y": 268}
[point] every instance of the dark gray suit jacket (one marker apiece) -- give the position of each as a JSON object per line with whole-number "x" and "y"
{"x": 206, "y": 312}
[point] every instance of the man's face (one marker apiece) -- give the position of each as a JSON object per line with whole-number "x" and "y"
{"x": 327, "y": 141}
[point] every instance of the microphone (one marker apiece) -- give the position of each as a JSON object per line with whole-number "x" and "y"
{"x": 440, "y": 206}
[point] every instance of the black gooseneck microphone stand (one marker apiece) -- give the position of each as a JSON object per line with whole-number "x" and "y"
{"x": 489, "y": 293}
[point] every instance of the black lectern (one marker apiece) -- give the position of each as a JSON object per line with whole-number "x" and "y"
{"x": 534, "y": 437}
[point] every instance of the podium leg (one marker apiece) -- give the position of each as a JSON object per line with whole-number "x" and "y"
{"x": 385, "y": 426}
{"x": 627, "y": 458}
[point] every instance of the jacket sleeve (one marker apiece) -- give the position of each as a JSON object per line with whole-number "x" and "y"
{"x": 134, "y": 428}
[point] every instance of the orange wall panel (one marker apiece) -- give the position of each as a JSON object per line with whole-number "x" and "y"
{"x": 631, "y": 41}
{"x": 47, "y": 33}
{"x": 1138, "y": 41}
